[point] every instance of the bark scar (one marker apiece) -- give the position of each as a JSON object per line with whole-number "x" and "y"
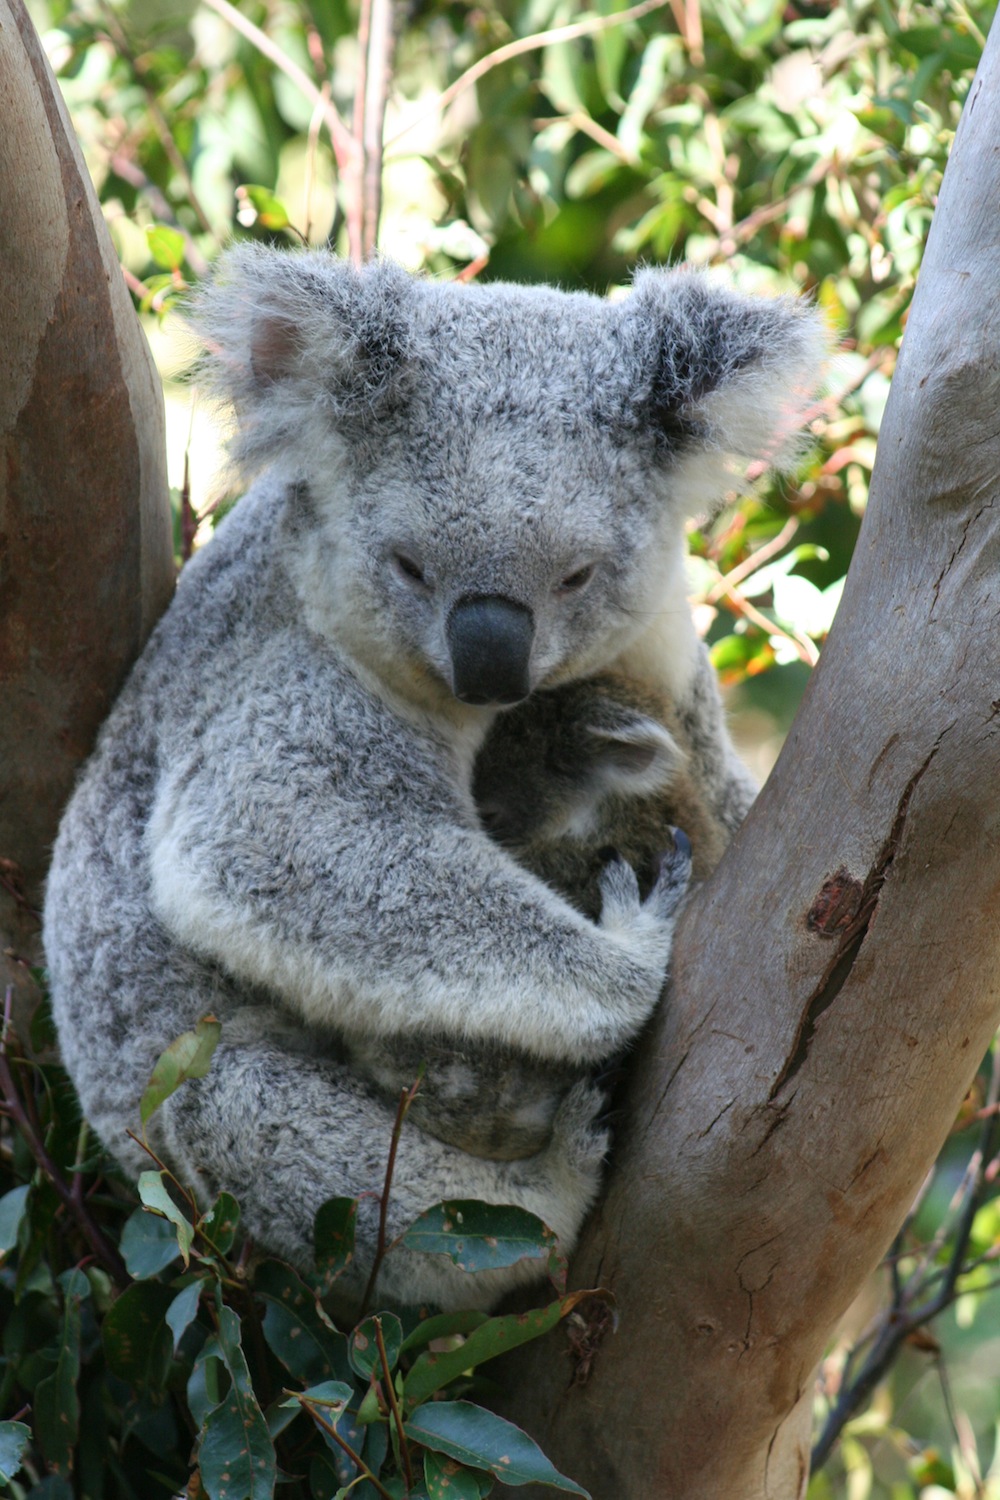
{"x": 843, "y": 911}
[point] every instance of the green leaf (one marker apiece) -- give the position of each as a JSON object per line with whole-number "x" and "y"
{"x": 443, "y": 1326}
{"x": 13, "y": 1441}
{"x": 259, "y": 205}
{"x": 166, "y": 246}
{"x": 333, "y": 1240}
{"x": 479, "y": 1438}
{"x": 480, "y": 1236}
{"x": 446, "y": 1479}
{"x": 148, "y": 1244}
{"x": 56, "y": 1403}
{"x": 495, "y": 1336}
{"x": 183, "y": 1310}
{"x": 296, "y": 1327}
{"x": 13, "y": 1207}
{"x": 221, "y": 1222}
{"x": 155, "y": 1195}
{"x": 135, "y": 1337}
{"x": 236, "y": 1455}
{"x": 333, "y": 1395}
{"x": 190, "y": 1056}
{"x": 362, "y": 1346}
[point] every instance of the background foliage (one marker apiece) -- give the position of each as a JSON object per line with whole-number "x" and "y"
{"x": 788, "y": 144}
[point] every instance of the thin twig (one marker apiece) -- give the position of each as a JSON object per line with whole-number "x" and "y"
{"x": 911, "y": 1306}
{"x": 736, "y": 575}
{"x": 397, "y": 1415}
{"x": 344, "y": 145}
{"x": 15, "y": 1106}
{"x": 590, "y": 26}
{"x": 355, "y": 1458}
{"x": 406, "y": 1098}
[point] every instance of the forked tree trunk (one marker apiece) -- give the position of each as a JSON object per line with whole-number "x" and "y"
{"x": 85, "y": 552}
{"x": 837, "y": 981}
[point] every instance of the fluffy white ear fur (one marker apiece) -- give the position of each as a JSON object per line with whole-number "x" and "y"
{"x": 745, "y": 400}
{"x": 638, "y": 758}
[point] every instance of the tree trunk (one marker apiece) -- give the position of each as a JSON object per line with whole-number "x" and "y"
{"x": 837, "y": 981}
{"x": 85, "y": 545}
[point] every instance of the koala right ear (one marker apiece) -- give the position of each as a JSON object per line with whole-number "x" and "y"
{"x": 295, "y": 337}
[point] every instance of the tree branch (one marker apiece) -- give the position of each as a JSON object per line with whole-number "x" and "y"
{"x": 837, "y": 981}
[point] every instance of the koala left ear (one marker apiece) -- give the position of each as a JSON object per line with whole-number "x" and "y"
{"x": 718, "y": 373}
{"x": 296, "y": 337}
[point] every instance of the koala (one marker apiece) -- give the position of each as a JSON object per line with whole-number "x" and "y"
{"x": 560, "y": 778}
{"x": 458, "y": 496}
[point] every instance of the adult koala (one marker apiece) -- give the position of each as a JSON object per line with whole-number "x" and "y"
{"x": 464, "y": 493}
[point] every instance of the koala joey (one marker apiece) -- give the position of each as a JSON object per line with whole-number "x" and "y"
{"x": 570, "y": 775}
{"x": 461, "y": 495}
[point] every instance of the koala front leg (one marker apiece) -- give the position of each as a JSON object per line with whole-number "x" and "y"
{"x": 283, "y": 1131}
{"x": 385, "y": 920}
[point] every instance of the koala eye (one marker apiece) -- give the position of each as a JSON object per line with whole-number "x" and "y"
{"x": 577, "y": 580}
{"x": 408, "y": 568}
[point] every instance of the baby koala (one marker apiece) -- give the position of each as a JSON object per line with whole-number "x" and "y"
{"x": 571, "y": 781}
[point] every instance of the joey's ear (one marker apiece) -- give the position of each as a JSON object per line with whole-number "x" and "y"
{"x": 634, "y": 754}
{"x": 717, "y": 374}
{"x": 294, "y": 337}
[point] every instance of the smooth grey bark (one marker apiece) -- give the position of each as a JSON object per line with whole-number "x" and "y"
{"x": 85, "y": 548}
{"x": 837, "y": 981}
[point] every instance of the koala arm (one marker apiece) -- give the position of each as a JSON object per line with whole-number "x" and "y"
{"x": 727, "y": 783}
{"x": 386, "y": 915}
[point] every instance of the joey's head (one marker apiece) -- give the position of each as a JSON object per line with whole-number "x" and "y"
{"x": 488, "y": 484}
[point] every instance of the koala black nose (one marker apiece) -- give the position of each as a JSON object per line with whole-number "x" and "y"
{"x": 490, "y": 639}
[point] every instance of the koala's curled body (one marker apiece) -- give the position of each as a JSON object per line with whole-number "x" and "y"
{"x": 464, "y": 494}
{"x": 561, "y": 778}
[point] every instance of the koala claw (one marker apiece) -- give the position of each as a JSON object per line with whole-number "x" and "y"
{"x": 673, "y": 878}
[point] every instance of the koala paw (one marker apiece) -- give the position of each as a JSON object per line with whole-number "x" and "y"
{"x": 674, "y": 876}
{"x": 579, "y": 1138}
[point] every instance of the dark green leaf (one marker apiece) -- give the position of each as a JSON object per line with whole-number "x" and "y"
{"x": 57, "y": 1405}
{"x": 13, "y": 1441}
{"x": 447, "y": 1479}
{"x": 297, "y": 1328}
{"x": 442, "y": 1326}
{"x": 183, "y": 1310}
{"x": 13, "y": 1206}
{"x": 483, "y": 1440}
{"x": 190, "y": 1056}
{"x": 480, "y": 1236}
{"x": 148, "y": 1244}
{"x": 136, "y": 1340}
{"x": 362, "y": 1346}
{"x": 432, "y": 1370}
{"x": 221, "y": 1222}
{"x": 236, "y": 1455}
{"x": 333, "y": 1239}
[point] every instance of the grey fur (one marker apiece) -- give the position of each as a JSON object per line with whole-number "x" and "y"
{"x": 559, "y": 779}
{"x": 277, "y": 825}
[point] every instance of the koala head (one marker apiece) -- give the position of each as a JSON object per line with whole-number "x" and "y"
{"x": 490, "y": 481}
{"x": 550, "y": 769}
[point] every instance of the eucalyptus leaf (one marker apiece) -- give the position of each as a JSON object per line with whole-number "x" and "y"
{"x": 480, "y": 1236}
{"x": 189, "y": 1056}
{"x": 482, "y": 1440}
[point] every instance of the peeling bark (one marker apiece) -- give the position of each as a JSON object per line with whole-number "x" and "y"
{"x": 837, "y": 981}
